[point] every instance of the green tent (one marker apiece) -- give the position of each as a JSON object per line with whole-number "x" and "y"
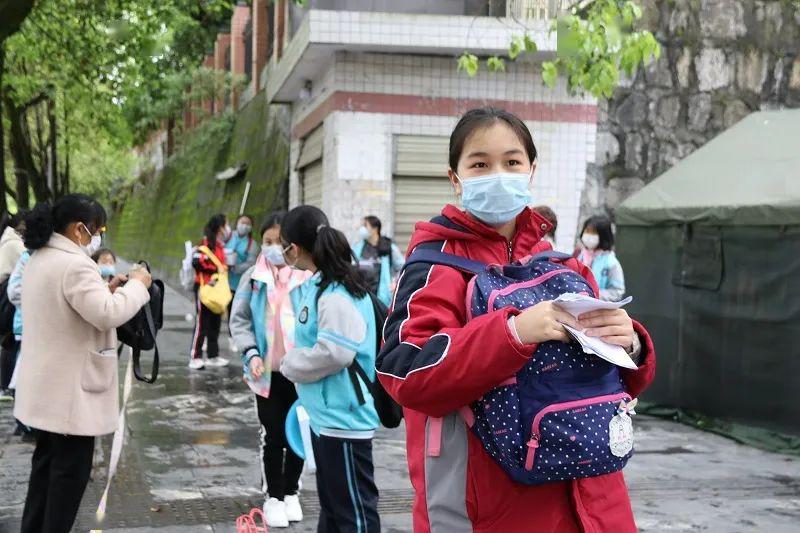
{"x": 711, "y": 253}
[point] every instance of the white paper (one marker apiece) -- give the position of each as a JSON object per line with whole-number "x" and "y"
{"x": 305, "y": 431}
{"x": 578, "y": 304}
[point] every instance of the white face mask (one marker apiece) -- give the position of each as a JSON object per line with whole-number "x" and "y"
{"x": 95, "y": 242}
{"x": 243, "y": 229}
{"x": 363, "y": 232}
{"x": 273, "y": 253}
{"x": 591, "y": 242}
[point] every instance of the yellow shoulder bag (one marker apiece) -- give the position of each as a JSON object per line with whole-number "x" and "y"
{"x": 215, "y": 295}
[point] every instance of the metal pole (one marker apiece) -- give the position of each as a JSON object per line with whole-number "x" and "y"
{"x": 244, "y": 198}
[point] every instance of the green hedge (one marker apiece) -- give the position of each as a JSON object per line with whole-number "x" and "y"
{"x": 160, "y": 212}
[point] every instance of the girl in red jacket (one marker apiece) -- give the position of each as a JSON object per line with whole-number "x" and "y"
{"x": 208, "y": 323}
{"x": 435, "y": 361}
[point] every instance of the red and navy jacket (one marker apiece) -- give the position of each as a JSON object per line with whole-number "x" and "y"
{"x": 434, "y": 361}
{"x": 204, "y": 267}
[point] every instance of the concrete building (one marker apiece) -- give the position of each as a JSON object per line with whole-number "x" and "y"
{"x": 374, "y": 94}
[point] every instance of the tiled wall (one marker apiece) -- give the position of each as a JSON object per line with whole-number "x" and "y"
{"x": 358, "y": 151}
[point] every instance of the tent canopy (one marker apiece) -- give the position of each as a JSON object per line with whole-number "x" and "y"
{"x": 749, "y": 175}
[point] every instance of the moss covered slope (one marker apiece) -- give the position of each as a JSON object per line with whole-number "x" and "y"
{"x": 164, "y": 210}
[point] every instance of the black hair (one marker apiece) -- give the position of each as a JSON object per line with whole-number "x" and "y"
{"x": 245, "y": 215}
{"x": 374, "y": 221}
{"x": 7, "y": 220}
{"x": 46, "y": 218}
{"x": 274, "y": 219}
{"x": 212, "y": 228}
{"x": 101, "y": 252}
{"x": 308, "y": 227}
{"x": 548, "y": 214}
{"x": 481, "y": 117}
{"x": 601, "y": 224}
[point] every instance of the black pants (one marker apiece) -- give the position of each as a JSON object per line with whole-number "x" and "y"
{"x": 59, "y": 473}
{"x": 8, "y": 358}
{"x": 348, "y": 497}
{"x": 280, "y": 466}
{"x": 206, "y": 327}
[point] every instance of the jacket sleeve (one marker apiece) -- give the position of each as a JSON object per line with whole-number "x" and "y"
{"x": 397, "y": 260}
{"x": 241, "y": 319}
{"x": 433, "y": 360}
{"x": 15, "y": 281}
{"x": 252, "y": 255}
{"x": 616, "y": 283}
{"x": 88, "y": 295}
{"x": 341, "y": 330}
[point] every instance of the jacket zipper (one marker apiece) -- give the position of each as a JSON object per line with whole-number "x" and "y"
{"x": 533, "y": 442}
{"x": 510, "y": 248}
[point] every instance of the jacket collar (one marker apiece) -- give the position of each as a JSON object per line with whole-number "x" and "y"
{"x": 59, "y": 242}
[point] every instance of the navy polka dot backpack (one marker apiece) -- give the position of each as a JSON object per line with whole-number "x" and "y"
{"x": 565, "y": 414}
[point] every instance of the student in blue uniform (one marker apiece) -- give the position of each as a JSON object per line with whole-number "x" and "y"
{"x": 335, "y": 329}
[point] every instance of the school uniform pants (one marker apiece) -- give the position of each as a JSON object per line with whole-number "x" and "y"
{"x": 280, "y": 466}
{"x": 348, "y": 496}
{"x": 60, "y": 470}
{"x": 206, "y": 327}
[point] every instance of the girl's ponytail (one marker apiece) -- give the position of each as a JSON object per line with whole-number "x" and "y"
{"x": 39, "y": 226}
{"x": 333, "y": 258}
{"x": 308, "y": 227}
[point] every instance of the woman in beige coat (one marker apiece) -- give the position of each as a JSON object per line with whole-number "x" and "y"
{"x": 67, "y": 383}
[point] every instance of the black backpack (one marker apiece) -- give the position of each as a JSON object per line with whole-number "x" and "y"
{"x": 140, "y": 331}
{"x": 7, "y": 311}
{"x": 389, "y": 411}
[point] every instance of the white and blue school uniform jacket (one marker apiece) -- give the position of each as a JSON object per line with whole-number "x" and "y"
{"x": 391, "y": 264}
{"x": 330, "y": 332}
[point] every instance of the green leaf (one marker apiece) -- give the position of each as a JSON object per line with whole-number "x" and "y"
{"x": 516, "y": 47}
{"x": 530, "y": 44}
{"x": 468, "y": 63}
{"x": 549, "y": 73}
{"x": 496, "y": 64}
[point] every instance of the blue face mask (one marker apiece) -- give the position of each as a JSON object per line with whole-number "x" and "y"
{"x": 108, "y": 271}
{"x": 496, "y": 198}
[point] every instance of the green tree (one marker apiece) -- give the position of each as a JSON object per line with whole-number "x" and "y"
{"x": 596, "y": 41}
{"x": 79, "y": 70}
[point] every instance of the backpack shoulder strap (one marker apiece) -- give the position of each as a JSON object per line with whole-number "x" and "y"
{"x": 442, "y": 258}
{"x": 551, "y": 254}
{"x": 137, "y": 352}
{"x": 212, "y": 256}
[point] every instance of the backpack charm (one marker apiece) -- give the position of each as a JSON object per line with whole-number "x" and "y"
{"x": 620, "y": 431}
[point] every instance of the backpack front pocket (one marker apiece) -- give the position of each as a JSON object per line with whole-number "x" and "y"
{"x": 573, "y": 439}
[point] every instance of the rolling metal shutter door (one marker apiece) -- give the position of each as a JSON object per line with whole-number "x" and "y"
{"x": 421, "y": 187}
{"x": 312, "y": 184}
{"x": 418, "y": 199}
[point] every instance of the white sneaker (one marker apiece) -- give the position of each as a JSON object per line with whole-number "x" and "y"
{"x": 275, "y": 513}
{"x": 196, "y": 364}
{"x": 217, "y": 361}
{"x": 293, "y": 510}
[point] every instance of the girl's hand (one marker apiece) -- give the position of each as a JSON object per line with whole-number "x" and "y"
{"x": 542, "y": 323}
{"x": 256, "y": 367}
{"x": 612, "y": 325}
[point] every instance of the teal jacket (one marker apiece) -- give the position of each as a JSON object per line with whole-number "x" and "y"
{"x": 330, "y": 332}
{"x": 247, "y": 250}
{"x": 15, "y": 290}
{"x": 391, "y": 264}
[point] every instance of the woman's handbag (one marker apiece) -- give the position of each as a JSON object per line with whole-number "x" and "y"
{"x": 215, "y": 295}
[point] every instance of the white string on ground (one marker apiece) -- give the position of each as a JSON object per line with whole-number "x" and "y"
{"x": 119, "y": 439}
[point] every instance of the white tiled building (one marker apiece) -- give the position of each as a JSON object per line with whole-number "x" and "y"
{"x": 375, "y": 95}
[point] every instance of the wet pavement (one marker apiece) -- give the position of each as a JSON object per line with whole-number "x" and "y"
{"x": 190, "y": 464}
